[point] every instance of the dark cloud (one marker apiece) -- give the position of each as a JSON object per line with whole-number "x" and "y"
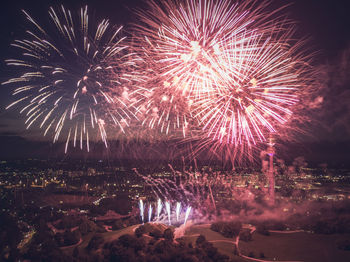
{"x": 7, "y": 133}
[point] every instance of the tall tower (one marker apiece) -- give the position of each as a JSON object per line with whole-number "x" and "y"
{"x": 270, "y": 172}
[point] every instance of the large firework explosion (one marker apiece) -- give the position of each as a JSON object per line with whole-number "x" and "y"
{"x": 72, "y": 77}
{"x": 255, "y": 95}
{"x": 233, "y": 68}
{"x": 181, "y": 44}
{"x": 182, "y": 39}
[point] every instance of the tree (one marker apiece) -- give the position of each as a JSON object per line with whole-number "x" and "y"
{"x": 163, "y": 247}
{"x": 10, "y": 234}
{"x": 121, "y": 253}
{"x": 217, "y": 226}
{"x": 245, "y": 235}
{"x": 127, "y": 240}
{"x": 71, "y": 238}
{"x": 251, "y": 254}
{"x": 227, "y": 229}
{"x": 344, "y": 245}
{"x": 231, "y": 229}
{"x": 200, "y": 240}
{"x": 87, "y": 226}
{"x": 95, "y": 242}
{"x": 262, "y": 229}
{"x": 168, "y": 234}
{"x": 156, "y": 233}
{"x": 140, "y": 231}
{"x": 67, "y": 222}
{"x": 118, "y": 224}
{"x": 76, "y": 252}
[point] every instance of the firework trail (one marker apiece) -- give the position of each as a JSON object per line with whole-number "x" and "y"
{"x": 150, "y": 209}
{"x": 206, "y": 191}
{"x": 189, "y": 188}
{"x": 142, "y": 210}
{"x": 188, "y": 211}
{"x": 167, "y": 207}
{"x": 178, "y": 210}
{"x": 159, "y": 208}
{"x": 71, "y": 77}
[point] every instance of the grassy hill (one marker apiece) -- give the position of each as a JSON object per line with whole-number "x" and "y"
{"x": 300, "y": 246}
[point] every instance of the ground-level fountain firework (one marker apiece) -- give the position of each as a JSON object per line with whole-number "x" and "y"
{"x": 170, "y": 215}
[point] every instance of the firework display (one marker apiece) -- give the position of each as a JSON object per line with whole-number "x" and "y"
{"x": 178, "y": 216}
{"x": 222, "y": 72}
{"x": 71, "y": 77}
{"x": 175, "y": 130}
{"x": 225, "y": 66}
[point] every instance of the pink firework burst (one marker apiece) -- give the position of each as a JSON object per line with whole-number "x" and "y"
{"x": 181, "y": 42}
{"x": 257, "y": 88}
{"x": 236, "y": 64}
{"x": 164, "y": 107}
{"x": 181, "y": 38}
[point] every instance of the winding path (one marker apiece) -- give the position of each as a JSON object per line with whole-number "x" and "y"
{"x": 252, "y": 230}
{"x": 77, "y": 244}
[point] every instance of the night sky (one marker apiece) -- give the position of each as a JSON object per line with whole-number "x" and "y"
{"x": 325, "y": 22}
